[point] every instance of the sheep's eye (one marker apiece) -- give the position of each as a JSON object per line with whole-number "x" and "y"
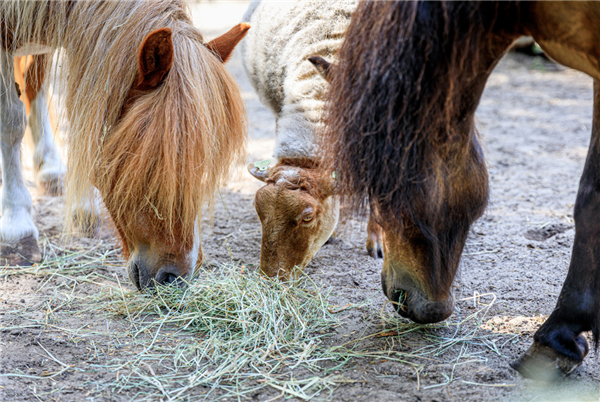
{"x": 308, "y": 218}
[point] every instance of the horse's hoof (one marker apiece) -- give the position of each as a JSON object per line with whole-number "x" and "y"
{"x": 50, "y": 183}
{"x": 87, "y": 215}
{"x": 332, "y": 239}
{"x": 374, "y": 247}
{"x": 543, "y": 363}
{"x": 375, "y": 238}
{"x": 87, "y": 223}
{"x": 26, "y": 252}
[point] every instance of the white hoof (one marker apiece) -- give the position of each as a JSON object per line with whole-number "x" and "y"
{"x": 87, "y": 216}
{"x": 50, "y": 181}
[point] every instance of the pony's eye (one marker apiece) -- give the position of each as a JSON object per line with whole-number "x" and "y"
{"x": 307, "y": 218}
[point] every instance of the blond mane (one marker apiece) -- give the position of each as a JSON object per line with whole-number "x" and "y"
{"x": 182, "y": 138}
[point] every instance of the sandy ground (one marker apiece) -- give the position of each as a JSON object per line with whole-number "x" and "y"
{"x": 534, "y": 120}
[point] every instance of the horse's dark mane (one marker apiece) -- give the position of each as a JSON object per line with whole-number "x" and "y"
{"x": 395, "y": 105}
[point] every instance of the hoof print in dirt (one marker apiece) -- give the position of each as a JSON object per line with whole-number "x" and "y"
{"x": 24, "y": 253}
{"x": 541, "y": 234}
{"x": 543, "y": 363}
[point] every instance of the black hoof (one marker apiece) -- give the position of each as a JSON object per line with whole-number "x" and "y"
{"x": 25, "y": 253}
{"x": 375, "y": 249}
{"x": 332, "y": 240}
{"x": 543, "y": 363}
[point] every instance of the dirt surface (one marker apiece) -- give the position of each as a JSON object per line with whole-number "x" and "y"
{"x": 534, "y": 120}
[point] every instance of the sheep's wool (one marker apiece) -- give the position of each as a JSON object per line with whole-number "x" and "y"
{"x": 275, "y": 54}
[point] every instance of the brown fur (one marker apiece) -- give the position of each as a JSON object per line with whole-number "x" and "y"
{"x": 401, "y": 135}
{"x": 296, "y": 205}
{"x": 402, "y": 145}
{"x": 161, "y": 159}
{"x": 29, "y": 75}
{"x": 223, "y": 46}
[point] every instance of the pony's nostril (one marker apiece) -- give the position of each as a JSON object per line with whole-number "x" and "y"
{"x": 134, "y": 275}
{"x": 165, "y": 277}
{"x": 170, "y": 278}
{"x": 401, "y": 300}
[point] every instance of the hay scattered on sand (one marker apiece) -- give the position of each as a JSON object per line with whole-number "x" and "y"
{"x": 229, "y": 332}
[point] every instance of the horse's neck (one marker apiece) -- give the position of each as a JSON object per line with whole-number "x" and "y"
{"x": 469, "y": 91}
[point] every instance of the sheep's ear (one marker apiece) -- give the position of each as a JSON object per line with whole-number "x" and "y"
{"x": 155, "y": 59}
{"x": 328, "y": 183}
{"x": 322, "y": 66}
{"x": 260, "y": 170}
{"x": 223, "y": 46}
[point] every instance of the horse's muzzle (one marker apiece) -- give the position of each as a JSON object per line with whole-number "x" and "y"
{"x": 412, "y": 303}
{"x": 142, "y": 279}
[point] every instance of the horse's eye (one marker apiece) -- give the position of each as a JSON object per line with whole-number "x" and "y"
{"x": 307, "y": 218}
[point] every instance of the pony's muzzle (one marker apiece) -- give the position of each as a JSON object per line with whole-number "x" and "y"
{"x": 168, "y": 276}
{"x": 135, "y": 275}
{"x": 413, "y": 303}
{"x": 142, "y": 279}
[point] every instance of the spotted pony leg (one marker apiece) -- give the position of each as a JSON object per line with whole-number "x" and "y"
{"x": 18, "y": 234}
{"x": 49, "y": 169}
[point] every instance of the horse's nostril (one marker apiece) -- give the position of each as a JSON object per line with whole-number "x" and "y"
{"x": 170, "y": 278}
{"x": 165, "y": 277}
{"x": 401, "y": 300}
{"x": 134, "y": 275}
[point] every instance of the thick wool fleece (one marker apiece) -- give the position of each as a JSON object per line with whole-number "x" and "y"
{"x": 275, "y": 54}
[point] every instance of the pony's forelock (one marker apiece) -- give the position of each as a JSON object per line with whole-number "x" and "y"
{"x": 181, "y": 139}
{"x": 393, "y": 106}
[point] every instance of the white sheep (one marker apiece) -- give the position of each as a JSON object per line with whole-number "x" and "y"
{"x": 298, "y": 207}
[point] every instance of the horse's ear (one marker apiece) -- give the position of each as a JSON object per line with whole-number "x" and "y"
{"x": 322, "y": 66}
{"x": 155, "y": 59}
{"x": 224, "y": 44}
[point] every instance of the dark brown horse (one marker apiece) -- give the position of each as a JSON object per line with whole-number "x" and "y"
{"x": 402, "y": 139}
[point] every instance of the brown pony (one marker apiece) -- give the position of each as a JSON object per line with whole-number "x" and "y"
{"x": 401, "y": 135}
{"x": 156, "y": 123}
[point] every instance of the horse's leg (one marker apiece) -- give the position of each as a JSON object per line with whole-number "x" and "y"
{"x": 375, "y": 238}
{"x": 559, "y": 347}
{"x": 87, "y": 214}
{"x": 18, "y": 234}
{"x": 49, "y": 169}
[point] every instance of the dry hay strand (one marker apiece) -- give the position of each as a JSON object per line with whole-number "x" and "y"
{"x": 236, "y": 332}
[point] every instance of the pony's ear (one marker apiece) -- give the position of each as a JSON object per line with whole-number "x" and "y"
{"x": 155, "y": 59}
{"x": 322, "y": 66}
{"x": 259, "y": 172}
{"x": 224, "y": 44}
